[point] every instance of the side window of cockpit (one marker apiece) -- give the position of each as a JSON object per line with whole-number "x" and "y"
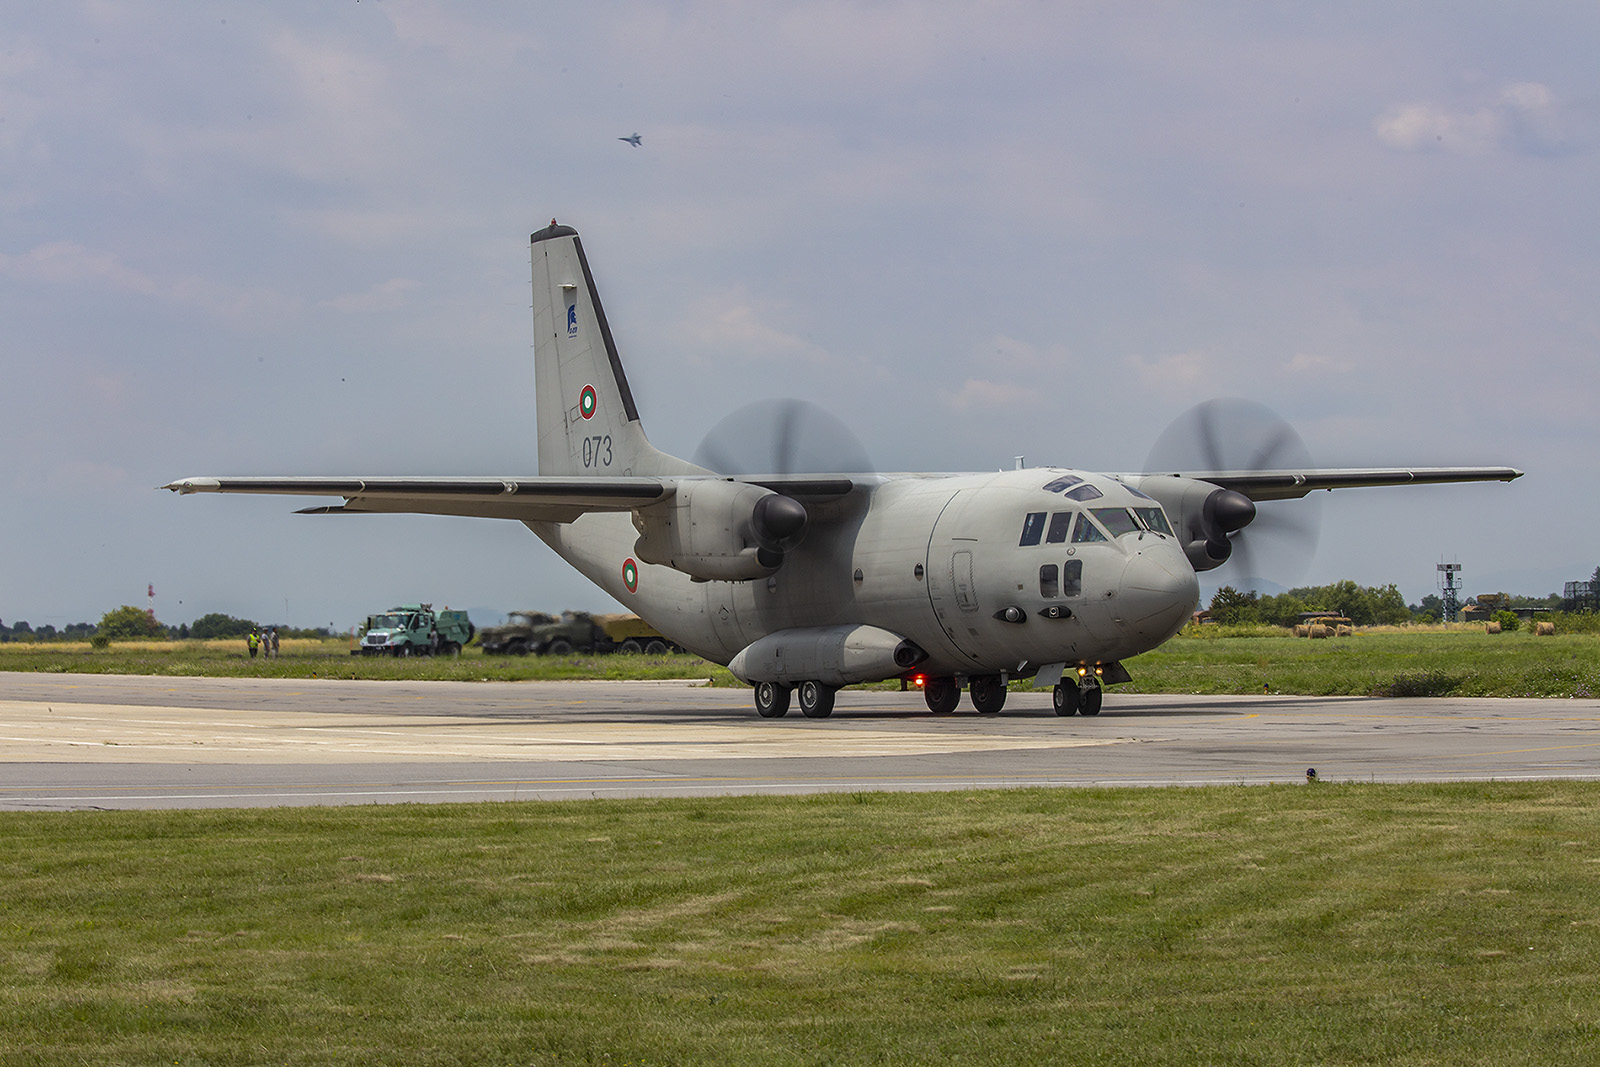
{"x": 1032, "y": 529}
{"x": 1086, "y": 531}
{"x": 1049, "y": 581}
{"x": 1060, "y": 527}
{"x": 1084, "y": 492}
{"x": 1072, "y": 578}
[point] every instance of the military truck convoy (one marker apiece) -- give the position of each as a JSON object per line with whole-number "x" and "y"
{"x": 574, "y": 631}
{"x": 414, "y": 630}
{"x": 418, "y": 630}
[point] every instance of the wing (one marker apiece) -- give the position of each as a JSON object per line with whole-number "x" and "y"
{"x": 555, "y": 499}
{"x": 524, "y": 499}
{"x": 1287, "y": 485}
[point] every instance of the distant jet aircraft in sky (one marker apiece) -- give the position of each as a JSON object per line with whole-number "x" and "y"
{"x": 635, "y": 140}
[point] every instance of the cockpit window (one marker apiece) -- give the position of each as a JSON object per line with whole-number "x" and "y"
{"x": 1060, "y": 527}
{"x": 1086, "y": 531}
{"x": 1032, "y": 528}
{"x": 1116, "y": 520}
{"x": 1063, "y": 483}
{"x": 1072, "y": 578}
{"x": 1135, "y": 492}
{"x": 1084, "y": 492}
{"x": 1155, "y": 519}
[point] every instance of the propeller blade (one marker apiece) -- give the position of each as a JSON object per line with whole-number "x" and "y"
{"x": 781, "y": 437}
{"x": 1262, "y": 542}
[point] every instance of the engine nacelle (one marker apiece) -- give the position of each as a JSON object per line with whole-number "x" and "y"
{"x": 718, "y": 530}
{"x": 832, "y": 655}
{"x": 1203, "y": 515}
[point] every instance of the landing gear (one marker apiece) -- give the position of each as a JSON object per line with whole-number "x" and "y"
{"x": 988, "y": 692}
{"x": 772, "y": 700}
{"x": 816, "y": 700}
{"x": 942, "y": 694}
{"x": 1074, "y": 699}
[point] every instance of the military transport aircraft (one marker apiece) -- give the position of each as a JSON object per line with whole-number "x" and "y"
{"x": 803, "y": 583}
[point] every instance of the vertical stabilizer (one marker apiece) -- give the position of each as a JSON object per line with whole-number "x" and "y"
{"x": 588, "y": 424}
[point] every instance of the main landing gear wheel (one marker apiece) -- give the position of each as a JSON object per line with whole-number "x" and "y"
{"x": 1090, "y": 702}
{"x": 772, "y": 700}
{"x": 942, "y": 694}
{"x": 816, "y": 700}
{"x": 1067, "y": 699}
{"x": 988, "y": 693}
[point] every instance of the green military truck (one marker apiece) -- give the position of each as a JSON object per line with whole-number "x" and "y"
{"x": 415, "y": 630}
{"x": 574, "y": 631}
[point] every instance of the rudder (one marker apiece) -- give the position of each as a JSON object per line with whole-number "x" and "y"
{"x": 587, "y": 421}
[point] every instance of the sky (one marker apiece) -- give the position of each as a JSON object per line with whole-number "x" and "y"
{"x": 292, "y": 238}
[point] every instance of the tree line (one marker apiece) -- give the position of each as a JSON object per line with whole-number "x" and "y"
{"x": 128, "y": 623}
{"x": 1380, "y": 605}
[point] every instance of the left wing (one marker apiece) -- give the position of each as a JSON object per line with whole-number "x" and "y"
{"x": 524, "y": 499}
{"x": 1290, "y": 484}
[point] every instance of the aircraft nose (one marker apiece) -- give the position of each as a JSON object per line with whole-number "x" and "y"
{"x": 1159, "y": 591}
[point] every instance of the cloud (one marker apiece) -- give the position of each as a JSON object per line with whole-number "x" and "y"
{"x": 728, "y": 324}
{"x": 71, "y": 264}
{"x": 978, "y": 394}
{"x": 1306, "y": 365}
{"x": 1525, "y": 117}
{"x": 385, "y": 296}
{"x": 1182, "y": 373}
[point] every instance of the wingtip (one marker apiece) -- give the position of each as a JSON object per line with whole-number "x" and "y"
{"x": 193, "y": 485}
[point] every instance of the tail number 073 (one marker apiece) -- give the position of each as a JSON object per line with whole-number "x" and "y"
{"x": 597, "y": 451}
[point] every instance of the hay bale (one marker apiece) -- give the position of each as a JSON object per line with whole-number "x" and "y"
{"x": 1345, "y": 631}
{"x": 1302, "y": 631}
{"x": 1545, "y": 629}
{"x": 1319, "y": 631}
{"x": 1491, "y": 627}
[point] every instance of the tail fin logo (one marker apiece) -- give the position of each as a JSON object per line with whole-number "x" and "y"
{"x": 588, "y": 401}
{"x": 572, "y": 319}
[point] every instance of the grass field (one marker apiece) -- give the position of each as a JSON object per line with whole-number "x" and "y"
{"x": 1401, "y": 662}
{"x": 1437, "y": 924}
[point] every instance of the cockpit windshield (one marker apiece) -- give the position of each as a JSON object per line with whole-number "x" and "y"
{"x": 1155, "y": 519}
{"x": 1116, "y": 520}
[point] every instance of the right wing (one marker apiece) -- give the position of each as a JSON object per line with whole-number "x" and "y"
{"x": 524, "y": 499}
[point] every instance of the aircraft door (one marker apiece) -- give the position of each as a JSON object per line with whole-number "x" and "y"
{"x": 952, "y": 579}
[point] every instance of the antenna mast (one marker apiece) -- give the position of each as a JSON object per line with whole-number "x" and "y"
{"x": 1450, "y": 587}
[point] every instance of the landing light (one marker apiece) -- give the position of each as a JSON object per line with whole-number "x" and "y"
{"x": 919, "y": 680}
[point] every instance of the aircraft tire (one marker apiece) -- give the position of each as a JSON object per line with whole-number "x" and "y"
{"x": 1092, "y": 696}
{"x": 942, "y": 694}
{"x": 816, "y": 700}
{"x": 1066, "y": 699}
{"x": 988, "y": 693}
{"x": 772, "y": 700}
